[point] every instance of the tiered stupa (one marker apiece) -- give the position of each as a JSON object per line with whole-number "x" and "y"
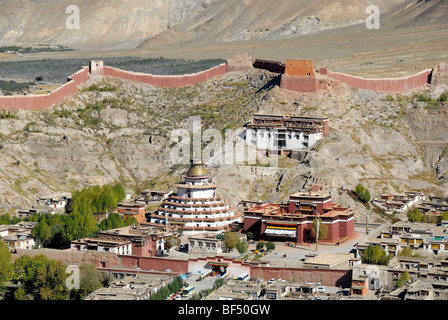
{"x": 196, "y": 208}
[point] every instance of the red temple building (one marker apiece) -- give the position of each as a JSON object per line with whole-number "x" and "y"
{"x": 293, "y": 221}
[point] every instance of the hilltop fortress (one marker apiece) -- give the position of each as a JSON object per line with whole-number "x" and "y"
{"x": 296, "y": 75}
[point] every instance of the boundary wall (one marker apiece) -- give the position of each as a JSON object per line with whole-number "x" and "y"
{"x": 382, "y": 84}
{"x": 175, "y": 81}
{"x": 296, "y": 81}
{"x": 327, "y": 277}
{"x": 43, "y": 101}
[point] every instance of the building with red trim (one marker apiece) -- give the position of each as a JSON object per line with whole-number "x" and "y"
{"x": 294, "y": 220}
{"x": 129, "y": 210}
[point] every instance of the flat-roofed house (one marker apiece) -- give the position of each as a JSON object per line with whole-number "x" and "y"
{"x": 146, "y": 240}
{"x": 102, "y": 245}
{"x": 134, "y": 210}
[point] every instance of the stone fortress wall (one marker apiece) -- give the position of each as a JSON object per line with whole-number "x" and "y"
{"x": 296, "y": 74}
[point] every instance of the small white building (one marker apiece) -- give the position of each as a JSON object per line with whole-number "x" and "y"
{"x": 102, "y": 245}
{"x": 207, "y": 243}
{"x": 18, "y": 236}
{"x": 55, "y": 202}
{"x": 284, "y": 134}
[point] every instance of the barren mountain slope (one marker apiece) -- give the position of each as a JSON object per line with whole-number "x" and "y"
{"x": 101, "y": 22}
{"x": 417, "y": 12}
{"x": 236, "y": 20}
{"x": 115, "y": 23}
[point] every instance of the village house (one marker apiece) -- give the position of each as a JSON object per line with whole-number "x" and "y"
{"x": 146, "y": 240}
{"x": 136, "y": 287}
{"x": 102, "y": 245}
{"x": 132, "y": 210}
{"x": 57, "y": 202}
{"x": 428, "y": 237}
{"x": 434, "y": 205}
{"x": 152, "y": 196}
{"x": 393, "y": 203}
{"x": 40, "y": 210}
{"x": 18, "y": 236}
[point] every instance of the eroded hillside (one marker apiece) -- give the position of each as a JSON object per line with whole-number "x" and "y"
{"x": 120, "y": 131}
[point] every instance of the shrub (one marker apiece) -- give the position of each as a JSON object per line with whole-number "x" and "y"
{"x": 375, "y": 255}
{"x": 362, "y": 193}
{"x": 415, "y": 215}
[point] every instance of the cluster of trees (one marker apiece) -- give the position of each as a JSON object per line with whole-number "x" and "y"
{"x": 232, "y": 241}
{"x": 416, "y": 215}
{"x": 171, "y": 288}
{"x": 7, "y": 219}
{"x": 114, "y": 220}
{"x": 44, "y": 279}
{"x": 268, "y": 245}
{"x": 203, "y": 293}
{"x": 56, "y": 231}
{"x": 96, "y": 199}
{"x": 362, "y": 193}
{"x": 374, "y": 254}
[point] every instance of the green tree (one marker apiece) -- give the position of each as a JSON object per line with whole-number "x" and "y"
{"x": 113, "y": 221}
{"x": 443, "y": 217}
{"x": 42, "y": 231}
{"x": 374, "y": 254}
{"x": 406, "y": 252}
{"x": 242, "y": 246}
{"x": 6, "y": 267}
{"x": 230, "y": 240}
{"x": 270, "y": 245}
{"x": 20, "y": 294}
{"x": 415, "y": 215}
{"x": 172, "y": 242}
{"x": 42, "y": 279}
{"x": 260, "y": 246}
{"x": 405, "y": 276}
{"x": 90, "y": 279}
{"x": 362, "y": 193}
